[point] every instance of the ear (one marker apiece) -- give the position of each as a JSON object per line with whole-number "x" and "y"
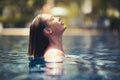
{"x": 47, "y": 30}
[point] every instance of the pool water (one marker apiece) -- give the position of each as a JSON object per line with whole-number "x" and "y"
{"x": 89, "y": 58}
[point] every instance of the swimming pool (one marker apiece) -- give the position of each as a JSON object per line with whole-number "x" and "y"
{"x": 90, "y": 58}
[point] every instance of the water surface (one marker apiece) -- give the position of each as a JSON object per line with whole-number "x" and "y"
{"x": 89, "y": 58}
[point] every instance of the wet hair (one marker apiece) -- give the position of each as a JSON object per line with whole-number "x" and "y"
{"x": 38, "y": 42}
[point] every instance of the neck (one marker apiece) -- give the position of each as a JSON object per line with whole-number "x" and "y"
{"x": 56, "y": 42}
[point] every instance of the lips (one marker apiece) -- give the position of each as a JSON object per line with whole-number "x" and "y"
{"x": 62, "y": 23}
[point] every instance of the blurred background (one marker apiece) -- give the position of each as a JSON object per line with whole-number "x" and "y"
{"x": 16, "y": 16}
{"x": 91, "y": 40}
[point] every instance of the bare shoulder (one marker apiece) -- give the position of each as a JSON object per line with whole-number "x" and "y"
{"x": 54, "y": 51}
{"x": 54, "y": 55}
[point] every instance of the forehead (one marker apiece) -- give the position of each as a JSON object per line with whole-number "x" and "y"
{"x": 46, "y": 17}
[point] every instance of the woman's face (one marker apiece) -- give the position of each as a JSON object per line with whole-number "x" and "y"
{"x": 55, "y": 23}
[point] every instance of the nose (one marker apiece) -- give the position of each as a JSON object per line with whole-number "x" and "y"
{"x": 59, "y": 18}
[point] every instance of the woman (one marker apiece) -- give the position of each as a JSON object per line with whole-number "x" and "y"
{"x": 46, "y": 38}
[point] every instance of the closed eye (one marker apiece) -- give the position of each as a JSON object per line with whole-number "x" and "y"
{"x": 52, "y": 18}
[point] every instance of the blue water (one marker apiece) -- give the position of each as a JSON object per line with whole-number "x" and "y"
{"x": 89, "y": 58}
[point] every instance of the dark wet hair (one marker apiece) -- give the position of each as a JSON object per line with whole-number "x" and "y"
{"x": 38, "y": 42}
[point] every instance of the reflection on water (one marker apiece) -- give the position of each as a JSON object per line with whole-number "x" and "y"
{"x": 89, "y": 58}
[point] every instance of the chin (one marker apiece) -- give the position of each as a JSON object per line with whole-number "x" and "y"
{"x": 65, "y": 27}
